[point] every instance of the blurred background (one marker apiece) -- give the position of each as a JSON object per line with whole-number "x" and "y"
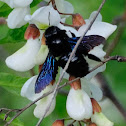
{"x": 115, "y": 74}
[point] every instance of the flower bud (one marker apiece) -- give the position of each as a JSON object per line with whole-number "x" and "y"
{"x": 31, "y": 32}
{"x": 58, "y": 123}
{"x": 78, "y": 20}
{"x": 96, "y": 106}
{"x": 2, "y": 21}
{"x": 100, "y": 120}
{"x": 76, "y": 84}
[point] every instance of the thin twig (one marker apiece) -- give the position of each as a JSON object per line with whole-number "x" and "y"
{"x": 79, "y": 123}
{"x": 117, "y": 58}
{"x": 108, "y": 93}
{"x": 68, "y": 62}
{"x": 44, "y": 95}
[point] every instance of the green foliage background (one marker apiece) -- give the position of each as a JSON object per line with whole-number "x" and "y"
{"x": 11, "y": 81}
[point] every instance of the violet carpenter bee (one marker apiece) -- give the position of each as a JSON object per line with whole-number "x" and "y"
{"x": 61, "y": 46}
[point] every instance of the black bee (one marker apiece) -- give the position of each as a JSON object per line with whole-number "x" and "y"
{"x": 61, "y": 46}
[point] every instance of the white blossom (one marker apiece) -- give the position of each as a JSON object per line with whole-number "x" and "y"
{"x": 16, "y": 17}
{"x": 24, "y": 58}
{"x": 28, "y": 91}
{"x": 78, "y": 104}
{"x": 44, "y": 17}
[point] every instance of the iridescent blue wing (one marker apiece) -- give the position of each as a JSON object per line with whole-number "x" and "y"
{"x": 47, "y": 74}
{"x": 87, "y": 43}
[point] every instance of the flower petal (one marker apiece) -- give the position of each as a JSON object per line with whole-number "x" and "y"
{"x": 91, "y": 89}
{"x": 98, "y": 28}
{"x": 69, "y": 30}
{"x": 42, "y": 54}
{"x": 78, "y": 105}
{"x": 16, "y": 17}
{"x": 92, "y": 74}
{"x": 23, "y": 59}
{"x": 45, "y": 16}
{"x": 66, "y": 75}
{"x": 99, "y": 17}
{"x": 98, "y": 52}
{"x": 42, "y": 105}
{"x": 64, "y": 7}
{"x": 8, "y": 2}
{"x": 97, "y": 93}
{"x": 101, "y": 120}
{"x": 85, "y": 86}
{"x": 17, "y": 3}
{"x": 28, "y": 89}
{"x": 21, "y": 3}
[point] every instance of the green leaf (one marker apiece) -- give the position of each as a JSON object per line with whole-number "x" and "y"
{"x": 16, "y": 122}
{"x": 4, "y": 10}
{"x": 35, "y": 2}
{"x": 11, "y": 35}
{"x": 12, "y": 83}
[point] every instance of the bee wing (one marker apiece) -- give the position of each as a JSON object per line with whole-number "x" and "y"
{"x": 87, "y": 44}
{"x": 47, "y": 74}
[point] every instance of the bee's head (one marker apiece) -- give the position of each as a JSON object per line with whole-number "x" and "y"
{"x": 53, "y": 30}
{"x": 57, "y": 41}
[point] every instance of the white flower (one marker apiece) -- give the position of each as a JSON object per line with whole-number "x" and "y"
{"x": 28, "y": 91}
{"x": 44, "y": 17}
{"x": 17, "y": 3}
{"x": 78, "y": 105}
{"x": 23, "y": 59}
{"x": 98, "y": 28}
{"x": 16, "y": 17}
{"x": 101, "y": 120}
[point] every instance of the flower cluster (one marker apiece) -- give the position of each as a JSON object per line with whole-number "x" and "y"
{"x": 83, "y": 95}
